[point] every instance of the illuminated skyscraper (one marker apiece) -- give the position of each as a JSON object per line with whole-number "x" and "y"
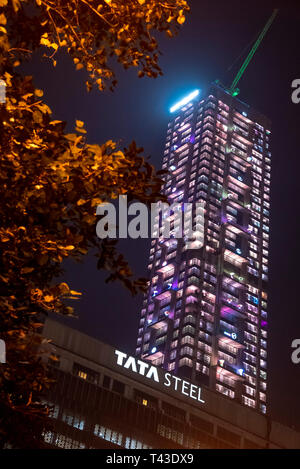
{"x": 205, "y": 314}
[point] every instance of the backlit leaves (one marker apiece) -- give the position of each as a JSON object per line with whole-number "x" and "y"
{"x": 51, "y": 182}
{"x": 50, "y": 186}
{"x": 93, "y": 32}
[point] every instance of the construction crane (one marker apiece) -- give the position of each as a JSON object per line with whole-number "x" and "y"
{"x": 233, "y": 90}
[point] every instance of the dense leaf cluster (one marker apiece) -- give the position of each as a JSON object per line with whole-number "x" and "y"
{"x": 51, "y": 181}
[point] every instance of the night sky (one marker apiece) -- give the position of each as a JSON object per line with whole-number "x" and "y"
{"x": 210, "y": 41}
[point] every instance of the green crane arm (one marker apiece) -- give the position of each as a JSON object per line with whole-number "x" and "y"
{"x": 233, "y": 90}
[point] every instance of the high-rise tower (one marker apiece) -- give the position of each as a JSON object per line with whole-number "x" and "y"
{"x": 205, "y": 314}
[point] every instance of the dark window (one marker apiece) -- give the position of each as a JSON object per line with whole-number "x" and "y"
{"x": 54, "y": 360}
{"x": 248, "y": 444}
{"x": 173, "y": 411}
{"x": 106, "y": 382}
{"x": 228, "y": 436}
{"x": 202, "y": 424}
{"x": 118, "y": 386}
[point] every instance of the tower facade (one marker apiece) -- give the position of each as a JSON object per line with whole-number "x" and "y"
{"x": 204, "y": 316}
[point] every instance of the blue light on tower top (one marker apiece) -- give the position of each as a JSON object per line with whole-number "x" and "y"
{"x": 184, "y": 101}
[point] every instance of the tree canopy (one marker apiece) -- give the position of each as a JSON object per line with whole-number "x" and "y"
{"x": 52, "y": 181}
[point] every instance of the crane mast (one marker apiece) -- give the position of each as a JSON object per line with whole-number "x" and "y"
{"x": 233, "y": 90}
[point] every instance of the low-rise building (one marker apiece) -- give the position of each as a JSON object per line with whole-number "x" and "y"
{"x": 104, "y": 398}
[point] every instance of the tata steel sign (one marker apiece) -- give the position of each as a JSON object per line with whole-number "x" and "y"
{"x": 151, "y": 372}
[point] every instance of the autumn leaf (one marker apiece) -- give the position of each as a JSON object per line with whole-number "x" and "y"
{"x": 3, "y": 19}
{"x": 76, "y": 293}
{"x": 48, "y": 298}
{"x": 181, "y": 17}
{"x": 26, "y": 270}
{"x": 38, "y": 93}
{"x": 81, "y": 202}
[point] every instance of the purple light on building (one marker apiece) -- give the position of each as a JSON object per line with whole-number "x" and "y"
{"x": 204, "y": 277}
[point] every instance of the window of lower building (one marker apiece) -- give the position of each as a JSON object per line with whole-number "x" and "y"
{"x": 229, "y": 436}
{"x": 118, "y": 386}
{"x": 106, "y": 382}
{"x": 86, "y": 373}
{"x": 173, "y": 411}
